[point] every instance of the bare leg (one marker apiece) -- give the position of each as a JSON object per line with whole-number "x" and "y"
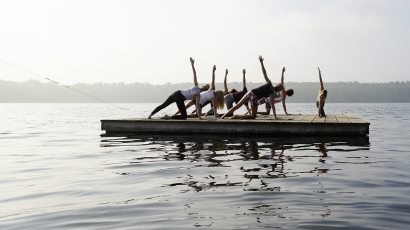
{"x": 244, "y": 100}
{"x": 321, "y": 112}
{"x": 254, "y": 111}
{"x": 167, "y": 102}
{"x": 182, "y": 110}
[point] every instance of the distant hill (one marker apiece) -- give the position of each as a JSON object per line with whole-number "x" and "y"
{"x": 354, "y": 92}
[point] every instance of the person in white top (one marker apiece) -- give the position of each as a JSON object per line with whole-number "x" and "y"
{"x": 278, "y": 96}
{"x": 180, "y": 96}
{"x": 215, "y": 97}
{"x": 256, "y": 94}
{"x": 231, "y": 96}
{"x": 321, "y": 98}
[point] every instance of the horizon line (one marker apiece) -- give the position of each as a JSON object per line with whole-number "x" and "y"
{"x": 187, "y": 82}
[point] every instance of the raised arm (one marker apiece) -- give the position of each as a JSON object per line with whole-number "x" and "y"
{"x": 320, "y": 78}
{"x": 225, "y": 82}
{"x": 265, "y": 75}
{"x": 282, "y": 80}
{"x": 193, "y": 70}
{"x": 243, "y": 78}
{"x": 213, "y": 78}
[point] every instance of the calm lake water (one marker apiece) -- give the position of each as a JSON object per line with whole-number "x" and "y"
{"x": 57, "y": 172}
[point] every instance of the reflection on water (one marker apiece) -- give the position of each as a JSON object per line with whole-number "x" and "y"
{"x": 267, "y": 155}
{"x": 241, "y": 165}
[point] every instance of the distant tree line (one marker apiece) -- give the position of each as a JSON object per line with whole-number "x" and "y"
{"x": 346, "y": 92}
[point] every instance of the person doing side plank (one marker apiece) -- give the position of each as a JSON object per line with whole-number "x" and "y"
{"x": 216, "y": 98}
{"x": 235, "y": 97}
{"x": 321, "y": 97}
{"x": 254, "y": 95}
{"x": 180, "y": 96}
{"x": 279, "y": 96}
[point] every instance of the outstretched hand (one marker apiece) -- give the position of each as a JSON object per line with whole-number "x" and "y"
{"x": 192, "y": 60}
{"x": 283, "y": 69}
{"x": 214, "y": 68}
{"x": 243, "y": 71}
{"x": 260, "y": 58}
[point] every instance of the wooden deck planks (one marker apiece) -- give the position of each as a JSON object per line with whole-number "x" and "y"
{"x": 307, "y": 119}
{"x": 331, "y": 119}
{"x": 342, "y": 118}
{"x": 319, "y": 119}
{"x": 297, "y": 124}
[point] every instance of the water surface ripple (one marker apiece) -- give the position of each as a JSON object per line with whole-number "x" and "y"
{"x": 57, "y": 172}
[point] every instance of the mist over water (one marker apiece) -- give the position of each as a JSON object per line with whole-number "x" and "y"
{"x": 57, "y": 172}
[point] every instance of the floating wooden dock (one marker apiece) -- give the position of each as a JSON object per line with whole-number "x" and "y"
{"x": 290, "y": 125}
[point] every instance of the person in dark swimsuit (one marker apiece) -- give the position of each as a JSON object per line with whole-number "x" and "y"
{"x": 254, "y": 95}
{"x": 279, "y": 96}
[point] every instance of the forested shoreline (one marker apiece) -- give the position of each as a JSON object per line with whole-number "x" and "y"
{"x": 339, "y": 92}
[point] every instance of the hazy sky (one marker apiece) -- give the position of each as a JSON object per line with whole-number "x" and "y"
{"x": 152, "y": 40}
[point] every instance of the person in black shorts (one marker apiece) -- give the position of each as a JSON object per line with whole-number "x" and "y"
{"x": 254, "y": 95}
{"x": 213, "y": 96}
{"x": 180, "y": 96}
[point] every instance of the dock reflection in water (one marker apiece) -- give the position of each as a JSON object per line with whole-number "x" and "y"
{"x": 228, "y": 171}
{"x": 248, "y": 159}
